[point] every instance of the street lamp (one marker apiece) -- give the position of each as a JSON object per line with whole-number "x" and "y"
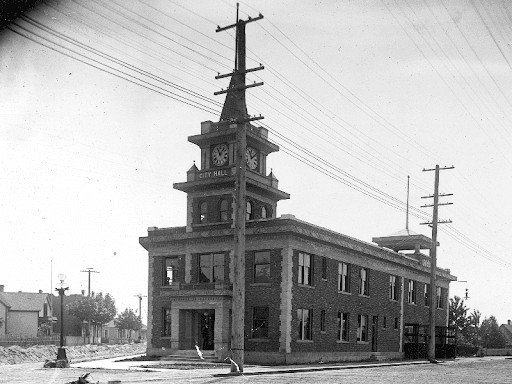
{"x": 62, "y": 360}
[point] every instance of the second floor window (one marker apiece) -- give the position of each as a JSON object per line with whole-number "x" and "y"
{"x": 224, "y": 210}
{"x": 411, "y": 292}
{"x": 363, "y": 282}
{"x": 426, "y": 295}
{"x": 343, "y": 277}
{"x": 264, "y": 212}
{"x": 394, "y": 287}
{"x": 305, "y": 276}
{"x": 262, "y": 267}
{"x": 439, "y": 297}
{"x": 171, "y": 270}
{"x": 211, "y": 267}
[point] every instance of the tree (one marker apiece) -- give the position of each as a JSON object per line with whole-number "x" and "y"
{"x": 458, "y": 314}
{"x": 491, "y": 335}
{"x": 95, "y": 310}
{"x": 128, "y": 320}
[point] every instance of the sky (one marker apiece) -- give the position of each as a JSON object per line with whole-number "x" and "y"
{"x": 98, "y": 98}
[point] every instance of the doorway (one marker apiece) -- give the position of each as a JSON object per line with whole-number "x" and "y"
{"x": 375, "y": 327}
{"x": 206, "y": 329}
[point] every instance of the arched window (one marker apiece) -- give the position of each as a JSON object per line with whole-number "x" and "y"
{"x": 264, "y": 212}
{"x": 223, "y": 208}
{"x": 203, "y": 212}
{"x": 249, "y": 213}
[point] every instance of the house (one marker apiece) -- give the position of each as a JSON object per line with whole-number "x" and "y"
{"x": 26, "y": 313}
{"x": 311, "y": 294}
{"x": 506, "y": 330}
{"x": 4, "y": 308}
{"x": 114, "y": 335}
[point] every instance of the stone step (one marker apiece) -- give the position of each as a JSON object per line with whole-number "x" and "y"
{"x": 378, "y": 356}
{"x": 191, "y": 355}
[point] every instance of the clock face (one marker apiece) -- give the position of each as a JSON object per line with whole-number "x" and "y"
{"x": 220, "y": 154}
{"x": 251, "y": 158}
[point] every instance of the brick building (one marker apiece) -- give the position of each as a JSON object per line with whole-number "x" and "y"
{"x": 311, "y": 294}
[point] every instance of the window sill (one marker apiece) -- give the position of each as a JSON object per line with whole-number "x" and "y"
{"x": 342, "y": 341}
{"x": 306, "y": 286}
{"x": 414, "y": 304}
{"x": 324, "y": 279}
{"x": 305, "y": 341}
{"x": 393, "y": 301}
{"x": 363, "y": 342}
{"x": 260, "y": 340}
{"x": 261, "y": 285}
{"x": 322, "y": 332}
{"x": 360, "y": 295}
{"x": 345, "y": 292}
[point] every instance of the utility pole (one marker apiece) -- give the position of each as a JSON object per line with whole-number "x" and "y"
{"x": 433, "y": 259}
{"x": 140, "y": 296}
{"x": 89, "y": 271}
{"x": 235, "y": 115}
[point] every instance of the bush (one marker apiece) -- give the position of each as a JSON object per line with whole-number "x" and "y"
{"x": 466, "y": 350}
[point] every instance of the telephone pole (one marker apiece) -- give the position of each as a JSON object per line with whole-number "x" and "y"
{"x": 433, "y": 258}
{"x": 234, "y": 114}
{"x": 89, "y": 271}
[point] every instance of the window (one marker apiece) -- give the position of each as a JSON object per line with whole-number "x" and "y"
{"x": 224, "y": 210}
{"x": 262, "y": 267}
{"x": 203, "y": 212}
{"x": 411, "y": 292}
{"x": 396, "y": 322}
{"x": 439, "y": 297}
{"x": 343, "y": 277}
{"x": 322, "y": 320}
{"x": 426, "y": 294}
{"x": 394, "y": 287}
{"x": 305, "y": 269}
{"x": 211, "y": 267}
{"x": 384, "y": 322}
{"x": 362, "y": 328}
{"x": 259, "y": 323}
{"x": 249, "y": 215}
{"x": 166, "y": 329}
{"x": 264, "y": 212}
{"x": 363, "y": 282}
{"x": 324, "y": 268}
{"x": 171, "y": 270}
{"x": 304, "y": 316}
{"x": 342, "y": 326}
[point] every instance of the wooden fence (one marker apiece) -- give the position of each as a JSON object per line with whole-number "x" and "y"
{"x": 26, "y": 341}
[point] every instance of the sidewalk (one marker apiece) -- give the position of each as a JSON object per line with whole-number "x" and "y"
{"x": 221, "y": 370}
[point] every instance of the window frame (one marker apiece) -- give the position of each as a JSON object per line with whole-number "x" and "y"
{"x": 305, "y": 324}
{"x": 439, "y": 298}
{"x": 394, "y": 287}
{"x": 411, "y": 291}
{"x": 223, "y": 212}
{"x": 249, "y": 210}
{"x": 255, "y": 264}
{"x": 362, "y": 329}
{"x": 305, "y": 272}
{"x": 322, "y": 320}
{"x": 324, "y": 268}
{"x": 166, "y": 322}
{"x": 343, "y": 326}
{"x": 260, "y": 323}
{"x": 343, "y": 277}
{"x": 213, "y": 266}
{"x": 203, "y": 213}
{"x": 364, "y": 282}
{"x": 426, "y": 295}
{"x": 168, "y": 281}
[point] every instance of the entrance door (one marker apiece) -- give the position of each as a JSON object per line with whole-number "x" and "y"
{"x": 375, "y": 327}
{"x": 206, "y": 329}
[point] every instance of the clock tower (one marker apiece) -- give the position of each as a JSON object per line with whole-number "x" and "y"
{"x": 211, "y": 188}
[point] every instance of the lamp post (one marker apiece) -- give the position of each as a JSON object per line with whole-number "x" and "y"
{"x": 62, "y": 360}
